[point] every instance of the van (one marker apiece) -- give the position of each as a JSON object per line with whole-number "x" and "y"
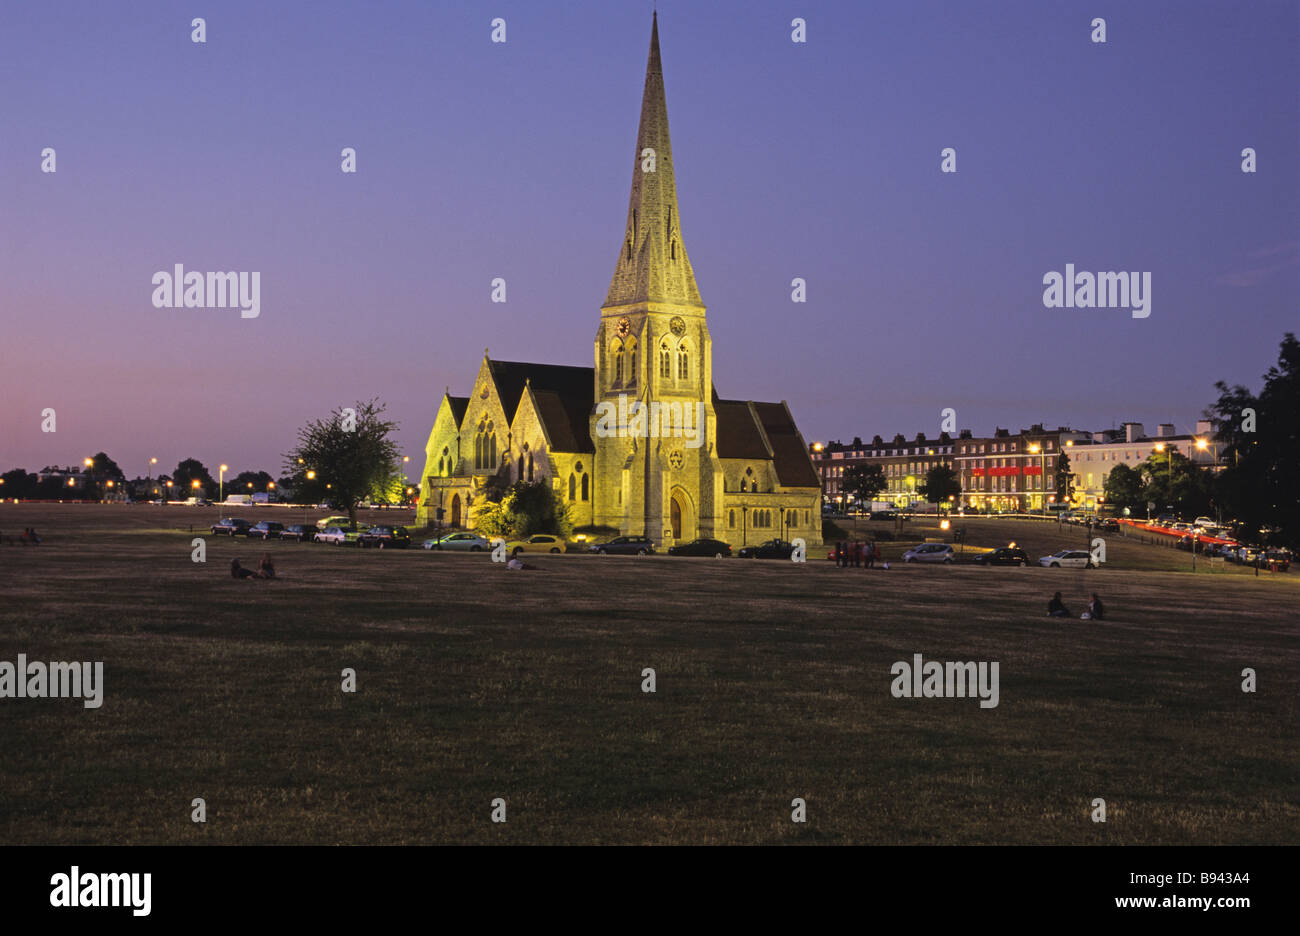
{"x": 238, "y": 500}
{"x": 261, "y": 499}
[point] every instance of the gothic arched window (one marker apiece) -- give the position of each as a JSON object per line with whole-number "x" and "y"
{"x": 665, "y": 361}
{"x": 573, "y": 486}
{"x": 631, "y": 363}
{"x": 585, "y": 481}
{"x": 530, "y": 466}
{"x": 683, "y": 362}
{"x": 485, "y": 445}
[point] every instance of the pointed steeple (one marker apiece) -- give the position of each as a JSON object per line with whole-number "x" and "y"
{"x": 652, "y": 264}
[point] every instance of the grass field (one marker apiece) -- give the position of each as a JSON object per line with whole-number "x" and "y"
{"x": 773, "y": 682}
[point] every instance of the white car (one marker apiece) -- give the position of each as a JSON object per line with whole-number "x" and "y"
{"x": 462, "y": 541}
{"x": 1068, "y": 559}
{"x": 929, "y": 552}
{"x": 339, "y": 536}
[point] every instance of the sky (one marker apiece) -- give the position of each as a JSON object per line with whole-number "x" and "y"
{"x": 478, "y": 160}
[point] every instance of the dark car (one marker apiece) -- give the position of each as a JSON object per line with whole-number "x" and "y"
{"x": 386, "y": 537}
{"x": 624, "y": 546}
{"x": 701, "y": 547}
{"x": 299, "y": 532}
{"x": 1004, "y": 556}
{"x": 884, "y": 515}
{"x": 1107, "y": 525}
{"x": 231, "y": 526}
{"x": 772, "y": 549}
{"x": 267, "y": 529}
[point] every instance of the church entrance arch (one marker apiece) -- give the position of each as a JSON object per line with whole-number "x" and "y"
{"x": 455, "y": 510}
{"x": 681, "y": 516}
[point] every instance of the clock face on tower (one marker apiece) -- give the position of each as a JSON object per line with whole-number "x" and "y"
{"x": 677, "y": 325}
{"x": 624, "y": 326}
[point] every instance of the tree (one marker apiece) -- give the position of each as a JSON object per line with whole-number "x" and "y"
{"x": 863, "y": 482}
{"x": 1064, "y": 480}
{"x": 351, "y": 453}
{"x": 186, "y": 473}
{"x": 940, "y": 483}
{"x": 525, "y": 508}
{"x": 251, "y": 482}
{"x": 1260, "y": 439}
{"x": 1172, "y": 480}
{"x": 17, "y": 483}
{"x": 1123, "y": 488}
{"x": 105, "y": 467}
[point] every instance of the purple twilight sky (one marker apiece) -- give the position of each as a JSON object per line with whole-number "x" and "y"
{"x": 477, "y": 160}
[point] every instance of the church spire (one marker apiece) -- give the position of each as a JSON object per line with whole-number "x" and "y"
{"x": 652, "y": 264}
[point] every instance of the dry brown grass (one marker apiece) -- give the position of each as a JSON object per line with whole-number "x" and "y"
{"x": 773, "y": 682}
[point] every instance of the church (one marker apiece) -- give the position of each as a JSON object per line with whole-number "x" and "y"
{"x": 733, "y": 470}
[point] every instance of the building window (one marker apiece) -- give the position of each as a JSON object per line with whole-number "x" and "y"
{"x": 585, "y": 482}
{"x": 683, "y": 362}
{"x": 631, "y": 363}
{"x": 573, "y": 486}
{"x": 665, "y": 361}
{"x": 618, "y": 364}
{"x": 485, "y": 446}
{"x": 731, "y": 519}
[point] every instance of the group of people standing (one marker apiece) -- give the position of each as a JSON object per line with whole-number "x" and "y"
{"x": 858, "y": 554}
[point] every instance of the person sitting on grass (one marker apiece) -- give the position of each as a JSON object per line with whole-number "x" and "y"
{"x": 516, "y": 564}
{"x": 239, "y": 572}
{"x": 1056, "y": 607}
{"x": 265, "y": 568}
{"x": 1096, "y": 610}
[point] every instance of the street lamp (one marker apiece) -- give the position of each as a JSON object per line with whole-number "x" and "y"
{"x": 1036, "y": 449}
{"x": 148, "y": 471}
{"x": 221, "y": 483}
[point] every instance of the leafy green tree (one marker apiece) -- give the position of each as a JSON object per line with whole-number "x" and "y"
{"x": 1064, "y": 480}
{"x": 186, "y": 473}
{"x": 940, "y": 483}
{"x": 352, "y": 453}
{"x": 1123, "y": 488}
{"x": 526, "y": 507}
{"x": 863, "y": 482}
{"x": 1259, "y": 439}
{"x": 1171, "y": 480}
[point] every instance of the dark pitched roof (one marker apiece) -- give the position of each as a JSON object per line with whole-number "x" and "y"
{"x": 458, "y": 406}
{"x": 511, "y": 376}
{"x": 794, "y": 467}
{"x": 565, "y": 419}
{"x": 763, "y": 431}
{"x": 738, "y": 433}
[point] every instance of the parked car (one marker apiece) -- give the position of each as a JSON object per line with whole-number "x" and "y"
{"x": 1068, "y": 559}
{"x": 332, "y": 521}
{"x": 1004, "y": 556}
{"x": 624, "y": 546}
{"x": 929, "y": 552}
{"x": 299, "y": 532}
{"x": 266, "y": 529}
{"x": 772, "y": 549}
{"x": 471, "y": 542}
{"x": 1108, "y": 525}
{"x": 386, "y": 537}
{"x": 340, "y": 535}
{"x": 538, "y": 542}
{"x": 701, "y": 547}
{"x": 883, "y": 515}
{"x": 231, "y": 526}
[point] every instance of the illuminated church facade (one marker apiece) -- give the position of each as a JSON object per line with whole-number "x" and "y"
{"x": 737, "y": 470}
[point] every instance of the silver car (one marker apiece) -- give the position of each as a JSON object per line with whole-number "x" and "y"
{"x": 470, "y": 542}
{"x": 929, "y": 552}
